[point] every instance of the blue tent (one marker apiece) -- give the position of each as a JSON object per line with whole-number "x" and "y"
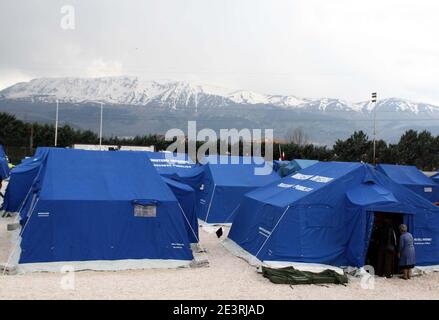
{"x": 4, "y": 167}
{"x": 168, "y": 163}
{"x": 221, "y": 183}
{"x": 277, "y": 164}
{"x": 20, "y": 182}
{"x": 294, "y": 166}
{"x": 186, "y": 198}
{"x": 90, "y": 209}
{"x": 412, "y": 178}
{"x": 325, "y": 214}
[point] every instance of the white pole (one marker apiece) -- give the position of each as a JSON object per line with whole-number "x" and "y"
{"x": 100, "y": 128}
{"x": 56, "y": 123}
{"x": 374, "y": 104}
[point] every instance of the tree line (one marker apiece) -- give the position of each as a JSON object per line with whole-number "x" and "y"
{"x": 413, "y": 148}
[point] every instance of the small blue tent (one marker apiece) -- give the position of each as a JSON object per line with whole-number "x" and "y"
{"x": 325, "y": 213}
{"x": 4, "y": 166}
{"x": 167, "y": 163}
{"x": 89, "y": 209}
{"x": 277, "y": 164}
{"x": 294, "y": 166}
{"x": 222, "y": 182}
{"x": 412, "y": 178}
{"x": 20, "y": 182}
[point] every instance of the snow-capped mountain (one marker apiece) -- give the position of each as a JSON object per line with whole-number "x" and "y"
{"x": 134, "y": 106}
{"x": 183, "y": 94}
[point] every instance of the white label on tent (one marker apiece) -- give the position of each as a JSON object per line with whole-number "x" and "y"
{"x": 423, "y": 241}
{"x": 285, "y": 185}
{"x": 302, "y": 188}
{"x": 149, "y": 211}
{"x": 264, "y": 232}
{"x": 321, "y": 179}
{"x": 300, "y": 176}
{"x": 428, "y": 189}
{"x": 43, "y": 214}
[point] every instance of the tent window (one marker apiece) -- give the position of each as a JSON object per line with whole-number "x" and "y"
{"x": 149, "y": 211}
{"x": 321, "y": 216}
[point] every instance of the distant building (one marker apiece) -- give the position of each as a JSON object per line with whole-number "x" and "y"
{"x": 112, "y": 147}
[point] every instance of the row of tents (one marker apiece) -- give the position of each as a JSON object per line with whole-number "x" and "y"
{"x": 108, "y": 210}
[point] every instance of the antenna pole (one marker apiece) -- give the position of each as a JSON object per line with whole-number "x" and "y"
{"x": 56, "y": 124}
{"x": 374, "y": 103}
{"x": 100, "y": 127}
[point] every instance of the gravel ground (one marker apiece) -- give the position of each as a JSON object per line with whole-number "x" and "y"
{"x": 227, "y": 277}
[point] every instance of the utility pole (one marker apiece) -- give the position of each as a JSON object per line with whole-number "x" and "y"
{"x": 374, "y": 104}
{"x": 31, "y": 138}
{"x": 56, "y": 123}
{"x": 100, "y": 128}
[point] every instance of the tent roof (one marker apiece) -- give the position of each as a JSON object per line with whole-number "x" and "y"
{"x": 239, "y": 171}
{"x": 305, "y": 163}
{"x": 299, "y": 185}
{"x": 100, "y": 175}
{"x": 406, "y": 175}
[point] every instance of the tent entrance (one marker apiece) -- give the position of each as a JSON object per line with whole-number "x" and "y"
{"x": 383, "y": 243}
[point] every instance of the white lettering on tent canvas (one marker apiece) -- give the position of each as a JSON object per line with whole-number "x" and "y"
{"x": 285, "y": 185}
{"x": 300, "y": 176}
{"x": 302, "y": 188}
{"x": 43, "y": 214}
{"x": 422, "y": 241}
{"x": 428, "y": 189}
{"x": 264, "y": 232}
{"x": 321, "y": 179}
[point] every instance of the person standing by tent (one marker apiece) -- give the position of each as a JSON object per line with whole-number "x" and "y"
{"x": 386, "y": 249}
{"x": 406, "y": 252}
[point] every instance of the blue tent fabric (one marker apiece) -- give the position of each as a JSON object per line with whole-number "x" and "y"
{"x": 221, "y": 184}
{"x": 277, "y": 164}
{"x": 89, "y": 205}
{"x": 294, "y": 166}
{"x": 21, "y": 179}
{"x": 4, "y": 167}
{"x": 186, "y": 198}
{"x": 324, "y": 214}
{"x": 412, "y": 178}
{"x": 167, "y": 163}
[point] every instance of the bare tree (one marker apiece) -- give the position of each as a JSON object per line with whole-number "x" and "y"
{"x": 297, "y": 136}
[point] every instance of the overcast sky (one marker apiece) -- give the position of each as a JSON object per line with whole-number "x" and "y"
{"x": 310, "y": 48}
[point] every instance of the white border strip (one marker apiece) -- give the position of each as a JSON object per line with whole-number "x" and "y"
{"x": 238, "y": 251}
{"x": 104, "y": 265}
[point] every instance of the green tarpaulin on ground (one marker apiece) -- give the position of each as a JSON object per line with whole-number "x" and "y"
{"x": 290, "y": 275}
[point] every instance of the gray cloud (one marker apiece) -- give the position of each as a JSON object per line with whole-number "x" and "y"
{"x": 313, "y": 48}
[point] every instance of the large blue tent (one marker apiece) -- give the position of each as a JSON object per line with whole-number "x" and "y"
{"x": 4, "y": 166}
{"x": 20, "y": 182}
{"x": 412, "y": 178}
{"x": 90, "y": 209}
{"x": 325, "y": 213}
{"x": 222, "y": 182}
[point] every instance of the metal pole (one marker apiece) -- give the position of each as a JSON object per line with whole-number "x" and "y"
{"x": 374, "y": 100}
{"x": 100, "y": 128}
{"x": 56, "y": 123}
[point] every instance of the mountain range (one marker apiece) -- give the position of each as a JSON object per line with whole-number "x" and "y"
{"x": 134, "y": 106}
